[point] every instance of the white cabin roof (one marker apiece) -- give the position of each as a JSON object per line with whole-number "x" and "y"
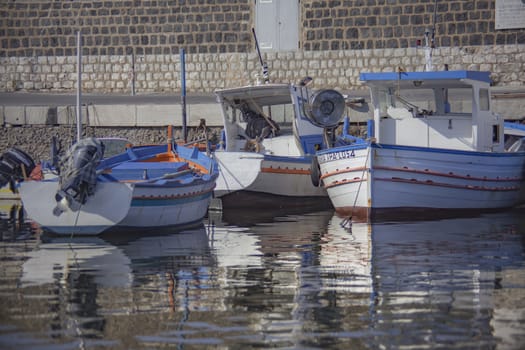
{"x": 264, "y": 95}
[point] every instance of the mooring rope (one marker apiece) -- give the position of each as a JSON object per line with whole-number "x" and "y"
{"x": 76, "y": 222}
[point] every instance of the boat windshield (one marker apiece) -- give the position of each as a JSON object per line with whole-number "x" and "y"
{"x": 274, "y": 114}
{"x": 425, "y": 102}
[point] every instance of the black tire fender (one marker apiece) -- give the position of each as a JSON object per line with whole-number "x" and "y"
{"x": 315, "y": 172}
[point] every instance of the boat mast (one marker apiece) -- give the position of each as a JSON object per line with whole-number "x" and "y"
{"x": 183, "y": 93}
{"x": 79, "y": 85}
{"x": 264, "y": 65}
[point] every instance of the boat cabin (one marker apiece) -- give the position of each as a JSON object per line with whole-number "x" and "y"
{"x": 269, "y": 119}
{"x": 439, "y": 109}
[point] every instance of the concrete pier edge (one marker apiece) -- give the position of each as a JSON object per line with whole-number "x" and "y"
{"x": 150, "y": 110}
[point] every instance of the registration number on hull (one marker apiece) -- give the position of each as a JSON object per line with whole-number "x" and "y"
{"x": 323, "y": 158}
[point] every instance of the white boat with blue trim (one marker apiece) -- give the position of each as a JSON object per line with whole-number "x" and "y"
{"x": 433, "y": 143}
{"x": 268, "y": 143}
{"x": 142, "y": 188}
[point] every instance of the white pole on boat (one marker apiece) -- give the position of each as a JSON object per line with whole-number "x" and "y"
{"x": 79, "y": 86}
{"x": 183, "y": 93}
{"x": 264, "y": 65}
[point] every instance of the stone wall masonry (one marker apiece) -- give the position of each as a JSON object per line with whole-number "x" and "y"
{"x": 207, "y": 72}
{"x": 338, "y": 39}
{"x": 47, "y": 28}
{"x": 34, "y": 28}
{"x": 378, "y": 24}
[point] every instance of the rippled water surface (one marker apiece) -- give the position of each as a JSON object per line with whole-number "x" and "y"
{"x": 241, "y": 281}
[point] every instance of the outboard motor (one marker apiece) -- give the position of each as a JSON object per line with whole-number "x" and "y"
{"x": 78, "y": 176}
{"x": 325, "y": 108}
{"x": 15, "y": 165}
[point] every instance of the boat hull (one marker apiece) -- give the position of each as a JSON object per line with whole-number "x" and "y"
{"x": 106, "y": 208}
{"x": 361, "y": 179}
{"x": 165, "y": 206}
{"x": 117, "y": 205}
{"x": 271, "y": 175}
{"x": 144, "y": 187}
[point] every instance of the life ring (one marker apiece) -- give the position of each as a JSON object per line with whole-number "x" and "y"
{"x": 252, "y": 146}
{"x": 315, "y": 172}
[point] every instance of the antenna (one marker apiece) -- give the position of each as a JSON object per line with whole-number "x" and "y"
{"x": 432, "y": 41}
{"x": 264, "y": 66}
{"x": 429, "y": 46}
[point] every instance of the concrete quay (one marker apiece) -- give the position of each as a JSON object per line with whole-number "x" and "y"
{"x": 152, "y": 110}
{"x": 101, "y": 110}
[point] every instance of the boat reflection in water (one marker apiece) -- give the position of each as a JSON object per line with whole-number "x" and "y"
{"x": 451, "y": 282}
{"x": 274, "y": 280}
{"x": 116, "y": 262}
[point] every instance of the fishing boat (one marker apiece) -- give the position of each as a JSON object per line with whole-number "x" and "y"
{"x": 144, "y": 187}
{"x": 268, "y": 143}
{"x": 433, "y": 144}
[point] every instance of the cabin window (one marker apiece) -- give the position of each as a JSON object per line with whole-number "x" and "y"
{"x": 251, "y": 115}
{"x": 460, "y": 100}
{"x": 282, "y": 114}
{"x": 484, "y": 99}
{"x": 420, "y": 102}
{"x": 495, "y": 133}
{"x": 384, "y": 101}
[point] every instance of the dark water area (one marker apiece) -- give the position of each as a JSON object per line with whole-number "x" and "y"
{"x": 268, "y": 280}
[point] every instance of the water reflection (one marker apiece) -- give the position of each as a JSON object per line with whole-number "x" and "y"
{"x": 12, "y": 220}
{"x": 271, "y": 279}
{"x": 453, "y": 276}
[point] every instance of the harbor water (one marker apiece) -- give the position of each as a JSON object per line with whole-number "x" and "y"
{"x": 267, "y": 280}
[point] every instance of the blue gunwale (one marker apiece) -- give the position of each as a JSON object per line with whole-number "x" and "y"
{"x": 289, "y": 159}
{"x": 434, "y": 75}
{"x": 422, "y": 149}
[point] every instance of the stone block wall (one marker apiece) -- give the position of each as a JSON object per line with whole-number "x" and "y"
{"x": 206, "y": 72}
{"x": 379, "y": 24}
{"x": 48, "y": 27}
{"x": 137, "y": 43}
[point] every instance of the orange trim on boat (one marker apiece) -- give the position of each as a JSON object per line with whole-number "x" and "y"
{"x": 426, "y": 182}
{"x": 450, "y": 174}
{"x": 425, "y": 171}
{"x": 441, "y": 184}
{"x": 344, "y": 182}
{"x": 170, "y": 157}
{"x": 342, "y": 171}
{"x": 285, "y": 171}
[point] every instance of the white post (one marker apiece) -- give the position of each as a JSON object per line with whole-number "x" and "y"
{"x": 429, "y": 67}
{"x": 79, "y": 86}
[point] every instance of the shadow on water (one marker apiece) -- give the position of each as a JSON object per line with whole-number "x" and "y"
{"x": 247, "y": 217}
{"x": 269, "y": 278}
{"x": 425, "y": 214}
